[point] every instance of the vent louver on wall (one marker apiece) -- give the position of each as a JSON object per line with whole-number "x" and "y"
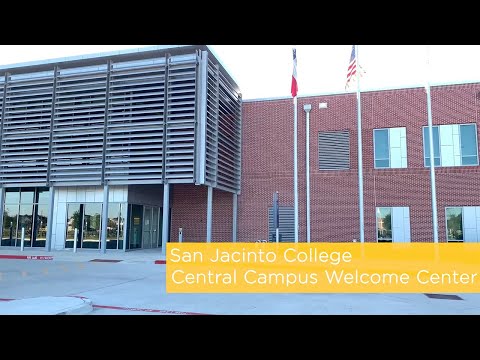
{"x": 78, "y": 126}
{"x": 26, "y": 129}
{"x": 334, "y": 150}
{"x": 134, "y": 152}
{"x": 286, "y": 224}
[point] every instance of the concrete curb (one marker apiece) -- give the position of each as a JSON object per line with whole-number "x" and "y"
{"x": 87, "y": 258}
{"x": 47, "y": 305}
{"x": 26, "y": 257}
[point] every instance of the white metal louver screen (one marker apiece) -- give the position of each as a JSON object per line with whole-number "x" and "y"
{"x": 334, "y": 150}
{"x": 26, "y": 129}
{"x": 122, "y": 119}
{"x": 223, "y": 132}
{"x": 211, "y": 146}
{"x": 229, "y": 137}
{"x": 134, "y": 148}
{"x": 180, "y": 129}
{"x": 77, "y": 146}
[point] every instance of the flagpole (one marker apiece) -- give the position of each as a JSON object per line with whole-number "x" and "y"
{"x": 295, "y": 167}
{"x": 432, "y": 157}
{"x": 295, "y": 146}
{"x": 360, "y": 156}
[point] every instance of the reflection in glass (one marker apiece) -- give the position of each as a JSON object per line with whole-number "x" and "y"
{"x": 12, "y": 196}
{"x": 147, "y": 228}
{"x": 468, "y": 141}
{"x": 74, "y": 221}
{"x": 121, "y": 225}
{"x": 135, "y": 232}
{"x": 25, "y": 221}
{"x": 10, "y": 217}
{"x": 436, "y": 146}
{"x": 454, "y": 224}
{"x": 34, "y": 223}
{"x": 91, "y": 226}
{"x": 382, "y": 151}
{"x": 40, "y": 234}
{"x": 26, "y": 196}
{"x": 113, "y": 225}
{"x": 155, "y": 232}
{"x": 384, "y": 224}
{"x": 43, "y": 196}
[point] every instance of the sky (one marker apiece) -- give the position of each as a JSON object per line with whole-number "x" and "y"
{"x": 265, "y": 71}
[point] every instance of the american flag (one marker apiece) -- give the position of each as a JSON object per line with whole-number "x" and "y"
{"x": 294, "y": 75}
{"x": 352, "y": 67}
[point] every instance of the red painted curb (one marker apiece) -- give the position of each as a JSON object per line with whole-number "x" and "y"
{"x": 160, "y": 262}
{"x": 26, "y": 257}
{"x": 173, "y": 312}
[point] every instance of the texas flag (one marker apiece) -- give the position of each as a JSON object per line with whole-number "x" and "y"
{"x": 294, "y": 75}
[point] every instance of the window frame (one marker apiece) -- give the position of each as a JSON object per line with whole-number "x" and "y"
{"x": 389, "y": 149}
{"x": 460, "y": 142}
{"x": 440, "y": 147}
{"x": 376, "y": 222}
{"x": 446, "y": 225}
{"x": 374, "y": 147}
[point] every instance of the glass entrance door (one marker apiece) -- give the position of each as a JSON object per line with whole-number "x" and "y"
{"x": 155, "y": 232}
{"x": 150, "y": 226}
{"x": 135, "y": 227}
{"x": 86, "y": 218}
{"x": 25, "y": 209}
{"x": 147, "y": 227}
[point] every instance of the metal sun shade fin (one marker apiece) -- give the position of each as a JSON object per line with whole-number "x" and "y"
{"x": 180, "y": 136}
{"x": 77, "y": 141}
{"x": 211, "y": 146}
{"x": 229, "y": 133}
{"x": 136, "y": 115}
{"x": 26, "y": 129}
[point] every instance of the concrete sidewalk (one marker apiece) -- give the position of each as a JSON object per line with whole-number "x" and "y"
{"x": 130, "y": 288}
{"x": 47, "y": 305}
{"x": 63, "y": 282}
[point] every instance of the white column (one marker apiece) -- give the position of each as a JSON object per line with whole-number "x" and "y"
{"x": 166, "y": 211}
{"x": 431, "y": 152}
{"x": 50, "y": 220}
{"x": 234, "y": 221}
{"x": 209, "y": 213}
{"x": 103, "y": 238}
{"x": 307, "y": 108}
{"x": 2, "y": 196}
{"x": 295, "y": 169}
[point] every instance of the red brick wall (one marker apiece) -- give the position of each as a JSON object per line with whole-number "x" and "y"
{"x": 189, "y": 212}
{"x": 267, "y": 162}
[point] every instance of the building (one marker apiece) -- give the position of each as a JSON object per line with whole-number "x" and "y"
{"x": 112, "y": 150}
{"x": 115, "y": 138}
{"x": 396, "y": 173}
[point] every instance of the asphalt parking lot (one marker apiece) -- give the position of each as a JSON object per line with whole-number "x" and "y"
{"x": 134, "y": 283}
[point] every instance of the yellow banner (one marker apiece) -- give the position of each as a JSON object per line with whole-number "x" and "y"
{"x": 323, "y": 268}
